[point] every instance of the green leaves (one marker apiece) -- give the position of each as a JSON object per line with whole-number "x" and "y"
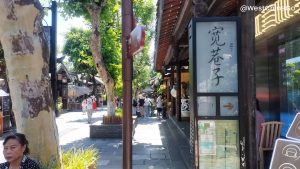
{"x": 79, "y": 52}
{"x": 110, "y": 33}
{"x": 79, "y": 158}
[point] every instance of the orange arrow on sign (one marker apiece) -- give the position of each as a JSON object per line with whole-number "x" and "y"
{"x": 229, "y": 106}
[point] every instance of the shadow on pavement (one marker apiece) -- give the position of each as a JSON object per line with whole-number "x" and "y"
{"x": 84, "y": 120}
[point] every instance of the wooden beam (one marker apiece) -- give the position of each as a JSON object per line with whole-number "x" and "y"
{"x": 171, "y": 20}
{"x": 183, "y": 54}
{"x": 182, "y": 63}
{"x": 219, "y": 6}
{"x": 168, "y": 56}
{"x": 178, "y": 97}
{"x": 159, "y": 12}
{"x": 173, "y": 102}
{"x": 246, "y": 70}
{"x": 183, "y": 20}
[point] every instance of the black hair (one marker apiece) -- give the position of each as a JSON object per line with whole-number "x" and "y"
{"x": 21, "y": 138}
{"x": 257, "y": 105}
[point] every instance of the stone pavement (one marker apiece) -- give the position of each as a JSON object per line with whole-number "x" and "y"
{"x": 150, "y": 149}
{"x": 156, "y": 144}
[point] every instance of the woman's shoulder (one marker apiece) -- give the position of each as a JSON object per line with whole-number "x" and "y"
{"x": 30, "y": 163}
{"x": 4, "y": 165}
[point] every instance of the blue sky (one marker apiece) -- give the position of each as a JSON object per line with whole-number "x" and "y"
{"x": 63, "y": 27}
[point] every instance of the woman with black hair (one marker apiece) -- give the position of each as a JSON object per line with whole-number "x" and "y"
{"x": 259, "y": 120}
{"x": 15, "y": 152}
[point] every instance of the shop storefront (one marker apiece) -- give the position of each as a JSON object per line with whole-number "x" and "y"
{"x": 278, "y": 62}
{"x": 217, "y": 138}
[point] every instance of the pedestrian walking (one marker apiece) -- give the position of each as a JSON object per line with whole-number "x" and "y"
{"x": 94, "y": 103}
{"x": 141, "y": 103}
{"x": 134, "y": 105}
{"x": 147, "y": 107}
{"x": 100, "y": 102}
{"x": 159, "y": 106}
{"x": 83, "y": 106}
{"x": 117, "y": 102}
{"x": 89, "y": 107}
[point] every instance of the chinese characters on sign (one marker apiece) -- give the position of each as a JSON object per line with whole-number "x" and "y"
{"x": 214, "y": 43}
{"x": 216, "y": 52}
{"x": 216, "y": 59}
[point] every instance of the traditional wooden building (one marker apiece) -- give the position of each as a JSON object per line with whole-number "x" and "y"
{"x": 268, "y": 62}
{"x": 173, "y": 59}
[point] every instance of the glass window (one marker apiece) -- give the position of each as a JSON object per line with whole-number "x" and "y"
{"x": 290, "y": 65}
{"x": 206, "y": 106}
{"x": 229, "y": 106}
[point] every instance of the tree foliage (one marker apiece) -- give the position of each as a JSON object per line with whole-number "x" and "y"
{"x": 78, "y": 49}
{"x": 293, "y": 73}
{"x": 110, "y": 30}
{"x": 110, "y": 33}
{"x": 144, "y": 12}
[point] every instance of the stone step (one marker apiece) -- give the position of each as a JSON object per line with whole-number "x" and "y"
{"x": 109, "y": 130}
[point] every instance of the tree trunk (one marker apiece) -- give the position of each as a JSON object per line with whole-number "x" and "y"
{"x": 27, "y": 55}
{"x": 94, "y": 11}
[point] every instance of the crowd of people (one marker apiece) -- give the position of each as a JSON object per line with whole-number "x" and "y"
{"x": 89, "y": 106}
{"x": 147, "y": 107}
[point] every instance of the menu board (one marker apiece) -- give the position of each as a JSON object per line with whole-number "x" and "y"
{"x": 294, "y": 130}
{"x": 286, "y": 154}
{"x": 218, "y": 144}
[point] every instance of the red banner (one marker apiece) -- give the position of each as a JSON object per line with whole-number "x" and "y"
{"x": 136, "y": 40}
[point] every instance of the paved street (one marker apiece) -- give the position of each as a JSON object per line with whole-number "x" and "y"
{"x": 150, "y": 143}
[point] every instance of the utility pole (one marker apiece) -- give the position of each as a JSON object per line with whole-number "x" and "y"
{"x": 52, "y": 63}
{"x": 127, "y": 83}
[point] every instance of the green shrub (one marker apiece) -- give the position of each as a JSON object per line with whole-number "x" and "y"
{"x": 119, "y": 112}
{"x": 59, "y": 104}
{"x": 75, "y": 159}
{"x": 79, "y": 158}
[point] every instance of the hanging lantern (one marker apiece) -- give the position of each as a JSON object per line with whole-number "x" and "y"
{"x": 174, "y": 92}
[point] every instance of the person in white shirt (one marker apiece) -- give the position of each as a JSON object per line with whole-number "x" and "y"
{"x": 147, "y": 105}
{"x": 89, "y": 107}
{"x": 159, "y": 106}
{"x": 83, "y": 105}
